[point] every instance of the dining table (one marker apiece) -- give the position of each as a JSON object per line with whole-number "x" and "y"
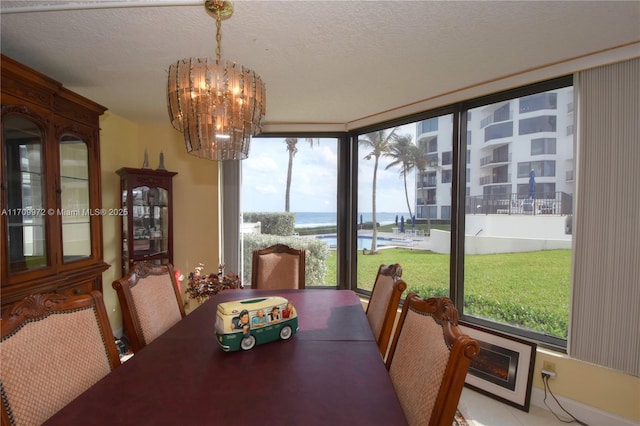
{"x": 329, "y": 373}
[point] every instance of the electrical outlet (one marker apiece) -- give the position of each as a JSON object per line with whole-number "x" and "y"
{"x": 549, "y": 366}
{"x": 549, "y": 374}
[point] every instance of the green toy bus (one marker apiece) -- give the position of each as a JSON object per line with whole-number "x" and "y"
{"x": 242, "y": 324}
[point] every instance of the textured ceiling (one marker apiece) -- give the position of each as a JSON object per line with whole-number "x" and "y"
{"x": 322, "y": 61}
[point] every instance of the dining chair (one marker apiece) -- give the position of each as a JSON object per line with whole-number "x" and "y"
{"x": 278, "y": 267}
{"x": 150, "y": 300}
{"x": 383, "y": 304}
{"x": 53, "y": 348}
{"x": 428, "y": 360}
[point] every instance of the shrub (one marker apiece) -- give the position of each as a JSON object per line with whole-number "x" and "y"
{"x": 504, "y": 311}
{"x": 273, "y": 223}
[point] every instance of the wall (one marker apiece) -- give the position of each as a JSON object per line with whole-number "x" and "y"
{"x": 195, "y": 201}
{"x": 490, "y": 234}
{"x": 602, "y": 388}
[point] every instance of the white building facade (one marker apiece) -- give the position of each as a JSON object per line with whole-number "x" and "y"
{"x": 507, "y": 143}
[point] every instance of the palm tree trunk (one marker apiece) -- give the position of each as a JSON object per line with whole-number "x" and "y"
{"x": 406, "y": 194}
{"x": 288, "y": 191}
{"x": 374, "y": 236}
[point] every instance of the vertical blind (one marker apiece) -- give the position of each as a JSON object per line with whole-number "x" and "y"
{"x": 605, "y": 311}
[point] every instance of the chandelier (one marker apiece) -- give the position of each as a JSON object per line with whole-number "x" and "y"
{"x": 218, "y": 105}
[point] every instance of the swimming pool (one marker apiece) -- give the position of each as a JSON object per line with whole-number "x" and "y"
{"x": 363, "y": 241}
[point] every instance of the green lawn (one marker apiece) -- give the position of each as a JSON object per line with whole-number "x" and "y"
{"x": 530, "y": 290}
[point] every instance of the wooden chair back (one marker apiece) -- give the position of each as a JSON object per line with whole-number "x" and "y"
{"x": 53, "y": 348}
{"x": 383, "y": 304}
{"x": 278, "y": 267}
{"x": 429, "y": 359}
{"x": 151, "y": 302}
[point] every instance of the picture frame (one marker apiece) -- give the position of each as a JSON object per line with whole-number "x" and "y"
{"x": 503, "y": 369}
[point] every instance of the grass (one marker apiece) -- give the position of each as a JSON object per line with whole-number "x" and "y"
{"x": 530, "y": 290}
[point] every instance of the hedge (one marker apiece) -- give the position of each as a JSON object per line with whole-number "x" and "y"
{"x": 505, "y": 311}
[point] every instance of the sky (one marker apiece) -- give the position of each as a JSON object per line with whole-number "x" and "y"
{"x": 314, "y": 178}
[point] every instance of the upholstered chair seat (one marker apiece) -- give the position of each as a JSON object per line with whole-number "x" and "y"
{"x": 151, "y": 302}
{"x": 53, "y": 348}
{"x": 429, "y": 359}
{"x": 384, "y": 302}
{"x": 278, "y": 267}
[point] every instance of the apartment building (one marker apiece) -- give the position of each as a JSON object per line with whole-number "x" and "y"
{"x": 509, "y": 143}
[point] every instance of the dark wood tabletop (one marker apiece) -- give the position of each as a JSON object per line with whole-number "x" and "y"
{"x": 329, "y": 373}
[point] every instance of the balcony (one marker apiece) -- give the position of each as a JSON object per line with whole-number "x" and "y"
{"x": 553, "y": 203}
{"x": 498, "y": 131}
{"x": 492, "y": 160}
{"x": 488, "y": 180}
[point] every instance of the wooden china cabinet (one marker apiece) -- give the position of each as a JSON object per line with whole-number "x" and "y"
{"x": 147, "y": 227}
{"x": 50, "y": 200}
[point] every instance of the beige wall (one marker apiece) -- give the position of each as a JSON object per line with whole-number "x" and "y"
{"x": 599, "y": 387}
{"x": 195, "y": 201}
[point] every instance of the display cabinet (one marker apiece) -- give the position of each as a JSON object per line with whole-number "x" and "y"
{"x": 50, "y": 203}
{"x": 147, "y": 227}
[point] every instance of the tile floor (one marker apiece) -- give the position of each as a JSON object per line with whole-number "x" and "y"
{"x": 480, "y": 410}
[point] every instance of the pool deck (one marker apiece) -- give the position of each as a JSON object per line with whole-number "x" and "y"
{"x": 398, "y": 239}
{"x": 395, "y": 240}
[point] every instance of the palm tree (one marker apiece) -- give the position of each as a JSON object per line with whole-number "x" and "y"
{"x": 408, "y": 157}
{"x": 292, "y": 149}
{"x": 379, "y": 143}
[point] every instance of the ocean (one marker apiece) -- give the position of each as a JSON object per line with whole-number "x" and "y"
{"x": 312, "y": 219}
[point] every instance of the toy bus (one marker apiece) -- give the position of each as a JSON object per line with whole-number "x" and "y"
{"x": 242, "y": 324}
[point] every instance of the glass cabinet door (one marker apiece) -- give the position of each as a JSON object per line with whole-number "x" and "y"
{"x": 75, "y": 210}
{"x": 150, "y": 221}
{"x": 124, "y": 220}
{"x": 25, "y": 194}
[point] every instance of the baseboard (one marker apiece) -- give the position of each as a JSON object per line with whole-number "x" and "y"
{"x": 585, "y": 413}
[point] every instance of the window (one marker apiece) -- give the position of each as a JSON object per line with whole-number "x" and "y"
{"x": 498, "y": 131}
{"x": 538, "y": 102}
{"x": 503, "y": 113}
{"x": 445, "y": 212}
{"x": 544, "y": 123}
{"x": 540, "y": 168}
{"x": 543, "y": 146}
{"x": 405, "y": 207}
{"x": 494, "y": 289}
{"x": 309, "y": 192}
{"x": 426, "y": 126}
{"x": 430, "y": 142}
{"x": 446, "y": 158}
{"x": 495, "y": 285}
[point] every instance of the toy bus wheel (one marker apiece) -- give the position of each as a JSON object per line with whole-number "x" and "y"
{"x": 248, "y": 343}
{"x": 285, "y": 332}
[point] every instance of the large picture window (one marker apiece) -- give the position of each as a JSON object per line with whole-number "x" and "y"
{"x": 289, "y": 196}
{"x": 469, "y": 176}
{"x": 404, "y": 175}
{"x": 517, "y": 251}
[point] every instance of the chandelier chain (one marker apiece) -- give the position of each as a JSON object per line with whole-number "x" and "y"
{"x": 218, "y": 36}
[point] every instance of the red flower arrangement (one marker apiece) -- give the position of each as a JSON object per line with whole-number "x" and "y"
{"x": 202, "y": 286}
